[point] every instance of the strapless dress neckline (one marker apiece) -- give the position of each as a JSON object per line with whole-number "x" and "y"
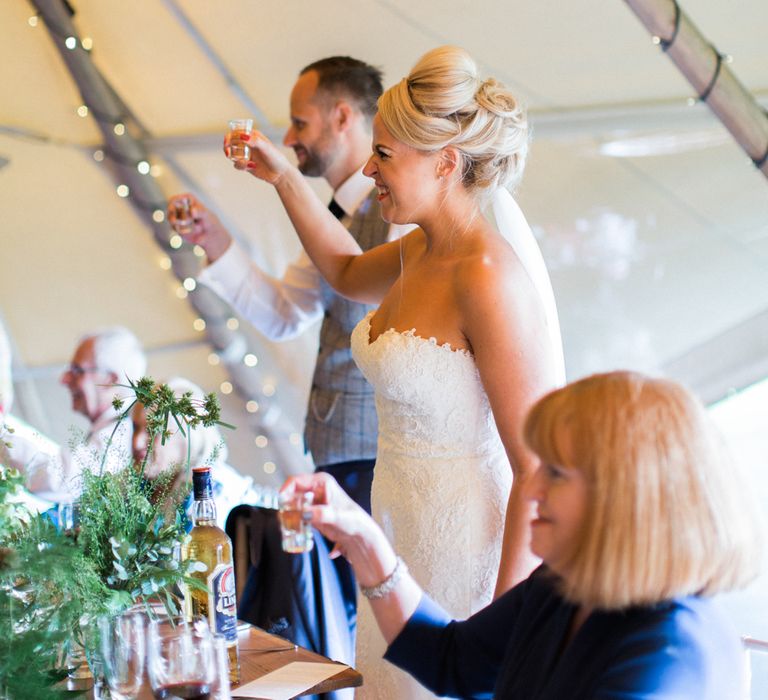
{"x": 410, "y": 333}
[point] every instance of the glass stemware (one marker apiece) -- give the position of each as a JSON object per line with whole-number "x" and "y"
{"x": 75, "y": 658}
{"x": 221, "y": 688}
{"x": 181, "y": 660}
{"x": 123, "y": 650}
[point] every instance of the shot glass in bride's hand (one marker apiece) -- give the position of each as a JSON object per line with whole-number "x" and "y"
{"x": 239, "y": 149}
{"x": 295, "y": 515}
{"x": 180, "y": 215}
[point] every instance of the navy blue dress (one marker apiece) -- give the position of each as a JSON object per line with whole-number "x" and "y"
{"x": 682, "y": 649}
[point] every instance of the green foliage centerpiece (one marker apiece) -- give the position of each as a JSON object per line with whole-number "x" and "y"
{"x": 127, "y": 551}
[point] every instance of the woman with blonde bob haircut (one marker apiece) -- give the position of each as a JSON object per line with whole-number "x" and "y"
{"x": 640, "y": 520}
{"x": 666, "y": 507}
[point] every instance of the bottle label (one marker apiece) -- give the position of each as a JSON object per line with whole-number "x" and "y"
{"x": 222, "y": 602}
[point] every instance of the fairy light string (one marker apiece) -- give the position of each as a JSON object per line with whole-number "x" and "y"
{"x": 130, "y": 163}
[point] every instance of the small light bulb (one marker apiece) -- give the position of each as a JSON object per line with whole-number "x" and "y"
{"x": 82, "y": 111}
{"x": 268, "y": 389}
{"x": 119, "y": 129}
{"x": 269, "y": 467}
{"x": 199, "y": 251}
{"x": 70, "y": 42}
{"x": 250, "y": 360}
{"x": 261, "y": 441}
{"x": 158, "y": 215}
{"x": 123, "y": 190}
{"x": 87, "y": 43}
{"x": 213, "y": 359}
{"x": 252, "y": 406}
{"x": 226, "y": 387}
{"x": 165, "y": 263}
{"x": 155, "y": 170}
{"x": 175, "y": 241}
{"x": 691, "y": 101}
{"x": 32, "y": 21}
{"x": 656, "y": 40}
{"x": 189, "y": 284}
{"x": 98, "y": 155}
{"x": 143, "y": 167}
{"x": 198, "y": 324}
{"x": 232, "y": 323}
{"x": 181, "y": 293}
{"x": 728, "y": 58}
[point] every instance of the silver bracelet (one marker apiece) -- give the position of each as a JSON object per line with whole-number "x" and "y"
{"x": 388, "y": 584}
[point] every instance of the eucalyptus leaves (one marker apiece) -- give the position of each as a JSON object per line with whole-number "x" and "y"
{"x": 131, "y": 542}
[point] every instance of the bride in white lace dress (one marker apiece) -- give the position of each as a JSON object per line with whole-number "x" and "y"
{"x": 440, "y": 485}
{"x": 463, "y": 342}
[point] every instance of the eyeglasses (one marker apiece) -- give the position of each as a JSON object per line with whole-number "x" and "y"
{"x": 78, "y": 371}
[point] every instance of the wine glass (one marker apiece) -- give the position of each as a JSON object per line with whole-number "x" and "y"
{"x": 123, "y": 652}
{"x": 221, "y": 689}
{"x": 181, "y": 660}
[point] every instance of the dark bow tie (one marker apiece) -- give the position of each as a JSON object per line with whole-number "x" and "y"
{"x": 335, "y": 209}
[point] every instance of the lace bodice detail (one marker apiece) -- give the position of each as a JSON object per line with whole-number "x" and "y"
{"x": 429, "y": 397}
{"x": 440, "y": 485}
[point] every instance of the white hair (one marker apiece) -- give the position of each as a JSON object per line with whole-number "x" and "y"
{"x": 119, "y": 351}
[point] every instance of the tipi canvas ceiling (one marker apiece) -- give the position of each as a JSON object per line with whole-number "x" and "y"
{"x": 653, "y": 222}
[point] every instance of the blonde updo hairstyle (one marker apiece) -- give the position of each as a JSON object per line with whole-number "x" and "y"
{"x": 444, "y": 102}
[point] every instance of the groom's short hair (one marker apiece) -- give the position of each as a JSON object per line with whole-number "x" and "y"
{"x": 344, "y": 76}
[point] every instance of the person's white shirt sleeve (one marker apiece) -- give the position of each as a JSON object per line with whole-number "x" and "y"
{"x": 280, "y": 308}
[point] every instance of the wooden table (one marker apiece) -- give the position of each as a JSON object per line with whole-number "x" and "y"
{"x": 260, "y": 653}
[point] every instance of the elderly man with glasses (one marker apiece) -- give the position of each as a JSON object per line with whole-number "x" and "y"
{"x": 101, "y": 360}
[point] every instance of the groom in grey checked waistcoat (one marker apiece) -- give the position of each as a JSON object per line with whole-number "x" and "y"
{"x": 333, "y": 103}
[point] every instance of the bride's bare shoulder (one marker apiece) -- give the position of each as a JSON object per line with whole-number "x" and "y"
{"x": 494, "y": 273}
{"x": 491, "y": 258}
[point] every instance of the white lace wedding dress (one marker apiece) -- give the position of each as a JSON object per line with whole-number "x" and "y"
{"x": 440, "y": 485}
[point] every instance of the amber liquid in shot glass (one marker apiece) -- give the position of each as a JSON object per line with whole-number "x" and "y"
{"x": 239, "y": 149}
{"x": 183, "y": 212}
{"x": 295, "y": 526}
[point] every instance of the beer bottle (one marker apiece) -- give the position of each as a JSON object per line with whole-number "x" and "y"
{"x": 209, "y": 544}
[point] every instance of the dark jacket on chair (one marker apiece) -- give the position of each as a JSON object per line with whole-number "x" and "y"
{"x": 296, "y": 596}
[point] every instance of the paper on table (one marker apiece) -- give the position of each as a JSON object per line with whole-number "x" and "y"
{"x": 288, "y": 681}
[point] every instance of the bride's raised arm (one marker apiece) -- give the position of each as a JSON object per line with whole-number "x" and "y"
{"x": 364, "y": 277}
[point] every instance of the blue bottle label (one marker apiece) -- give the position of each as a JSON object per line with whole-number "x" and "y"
{"x": 222, "y": 602}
